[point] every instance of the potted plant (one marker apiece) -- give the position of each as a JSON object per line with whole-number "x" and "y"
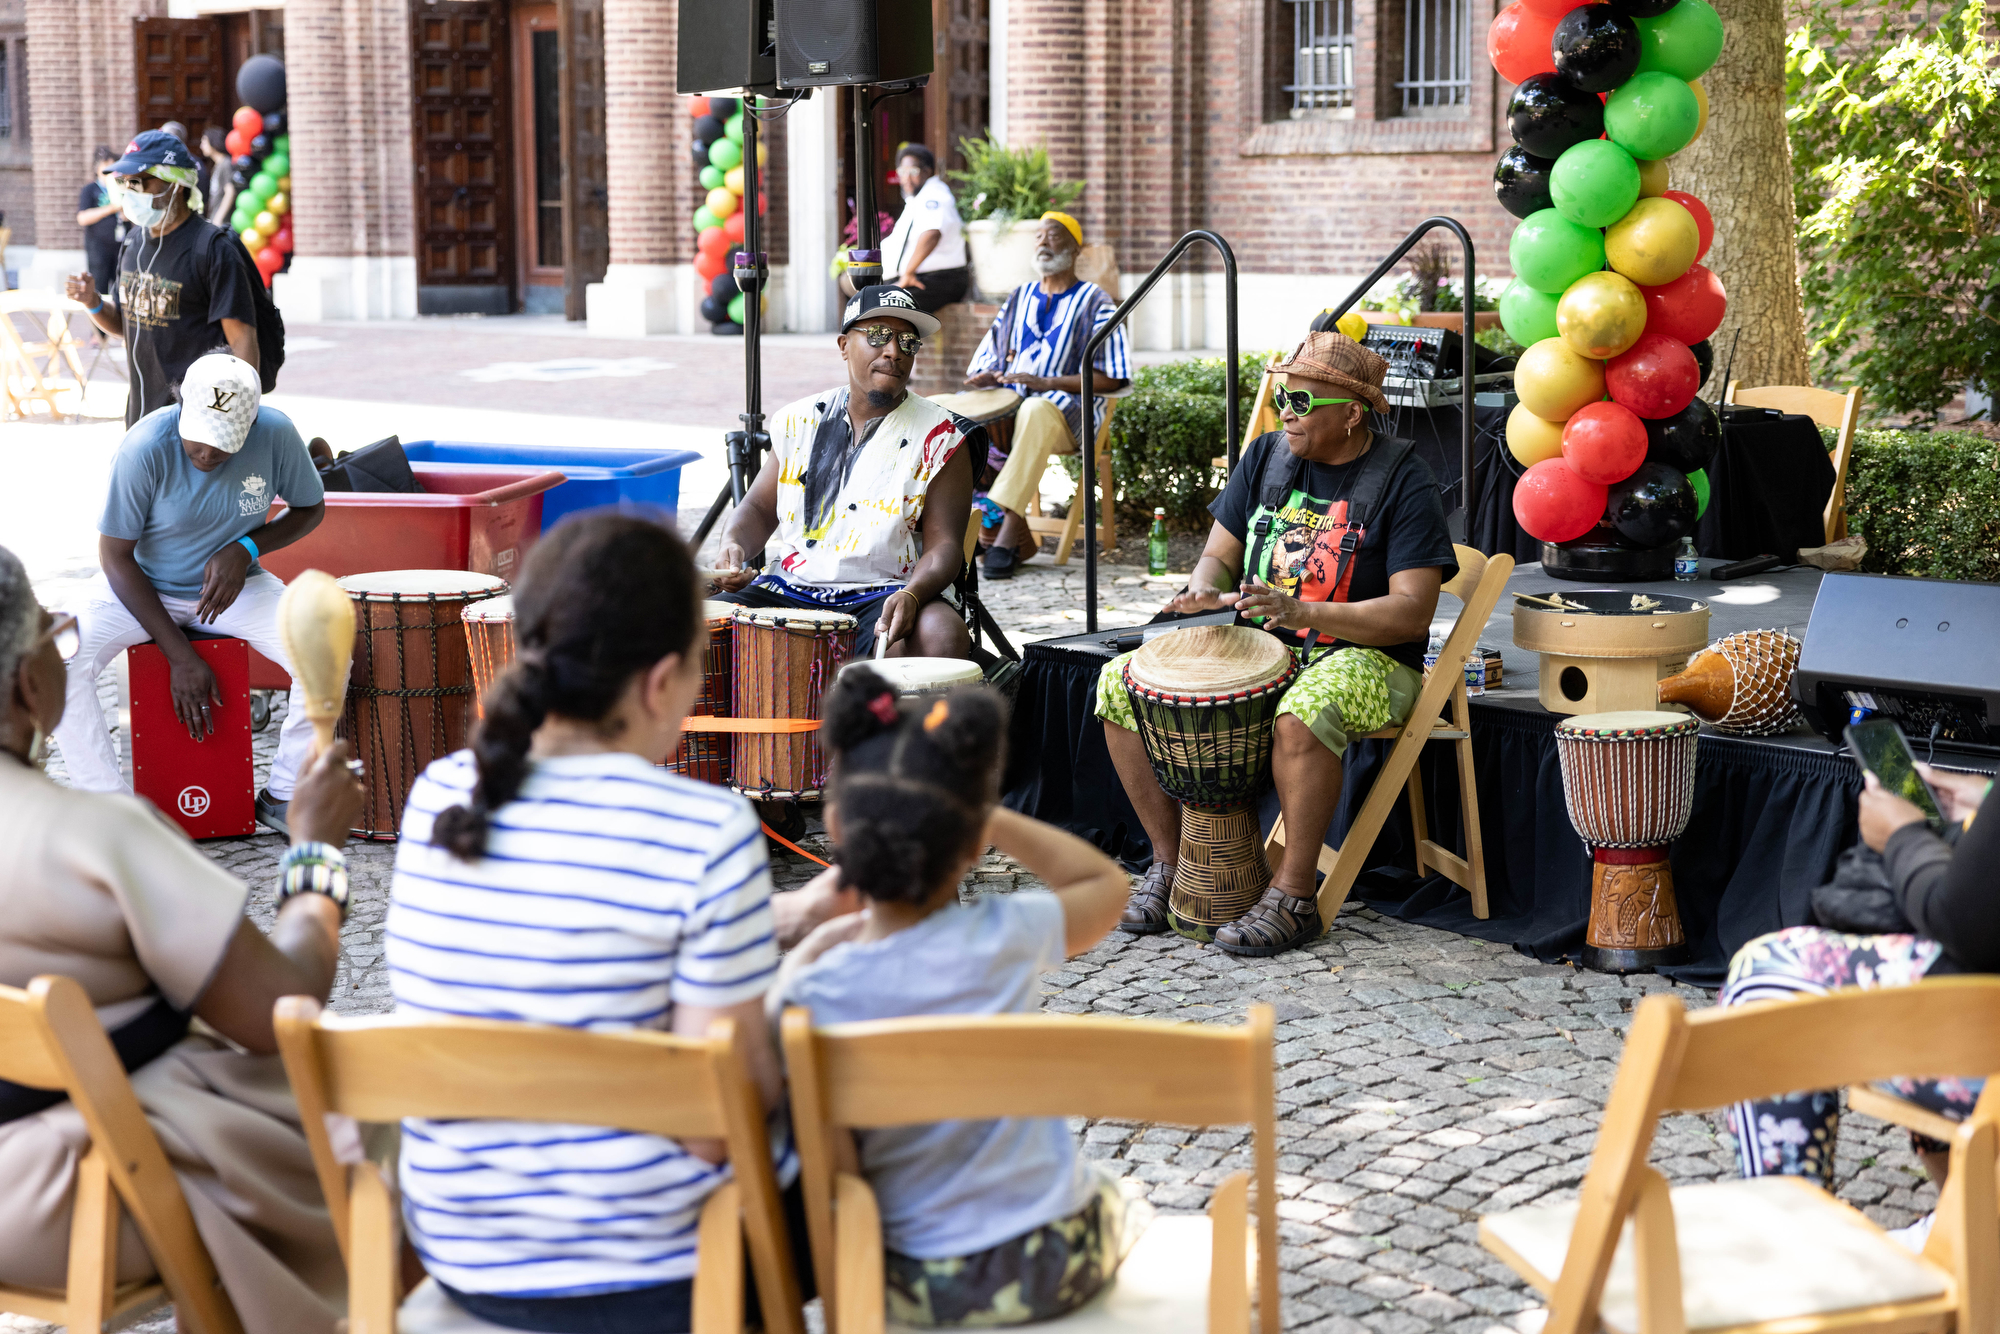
{"x": 999, "y": 187}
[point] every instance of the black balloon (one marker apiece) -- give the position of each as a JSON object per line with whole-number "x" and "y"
{"x": 708, "y": 128}
{"x": 1521, "y": 182}
{"x": 1687, "y": 440}
{"x": 274, "y": 123}
{"x": 715, "y": 309}
{"x": 700, "y": 154}
{"x": 243, "y": 162}
{"x": 722, "y": 285}
{"x": 723, "y": 107}
{"x": 1643, "y": 9}
{"x": 260, "y": 83}
{"x": 1549, "y": 115}
{"x": 1704, "y": 358}
{"x": 726, "y": 329}
{"x": 239, "y": 178}
{"x": 1596, "y": 47}
{"x": 1653, "y": 508}
{"x": 260, "y": 145}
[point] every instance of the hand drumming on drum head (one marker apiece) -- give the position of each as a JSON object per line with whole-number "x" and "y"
{"x": 1191, "y": 600}
{"x": 1280, "y": 611}
{"x": 730, "y": 571}
{"x": 899, "y": 617}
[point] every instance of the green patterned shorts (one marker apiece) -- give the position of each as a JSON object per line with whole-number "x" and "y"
{"x": 1349, "y": 692}
{"x": 1036, "y": 1276}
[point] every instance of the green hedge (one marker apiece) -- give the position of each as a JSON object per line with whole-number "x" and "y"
{"x": 1928, "y": 502}
{"x": 1165, "y": 434}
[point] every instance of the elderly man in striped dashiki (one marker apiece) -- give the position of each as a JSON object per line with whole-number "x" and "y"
{"x": 1034, "y": 352}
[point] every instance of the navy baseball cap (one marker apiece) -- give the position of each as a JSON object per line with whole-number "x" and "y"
{"x": 886, "y": 299}
{"x": 152, "y": 148}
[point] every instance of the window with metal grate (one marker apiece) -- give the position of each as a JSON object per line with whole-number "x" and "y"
{"x": 1437, "y": 57}
{"x": 1322, "y": 48}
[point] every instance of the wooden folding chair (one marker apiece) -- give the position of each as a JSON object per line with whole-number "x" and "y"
{"x": 1770, "y": 1255}
{"x": 50, "y": 1038}
{"x": 32, "y": 367}
{"x": 385, "y": 1069}
{"x": 1886, "y": 1106}
{"x": 1825, "y": 407}
{"x": 1067, "y": 529}
{"x": 1477, "y": 585}
{"x": 1187, "y": 1273}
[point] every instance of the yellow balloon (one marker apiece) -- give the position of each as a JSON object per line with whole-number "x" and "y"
{"x": 732, "y": 180}
{"x": 1530, "y": 439}
{"x": 1654, "y": 243}
{"x": 1353, "y": 324}
{"x": 285, "y": 184}
{"x": 723, "y": 202}
{"x": 763, "y": 154}
{"x": 253, "y": 240}
{"x": 267, "y": 222}
{"x": 1554, "y": 380}
{"x": 279, "y": 203}
{"x": 1600, "y": 315}
{"x": 1653, "y": 179}
{"x": 1701, "y": 101}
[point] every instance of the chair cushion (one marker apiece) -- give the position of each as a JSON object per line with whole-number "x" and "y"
{"x": 1750, "y": 1251}
{"x": 1162, "y": 1288}
{"x": 428, "y": 1311}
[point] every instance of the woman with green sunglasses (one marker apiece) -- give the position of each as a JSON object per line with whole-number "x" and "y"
{"x": 1358, "y": 625}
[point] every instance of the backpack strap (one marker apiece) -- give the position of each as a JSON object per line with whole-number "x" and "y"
{"x": 1378, "y": 468}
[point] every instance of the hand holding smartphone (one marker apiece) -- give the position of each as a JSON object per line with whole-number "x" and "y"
{"x": 1879, "y": 748}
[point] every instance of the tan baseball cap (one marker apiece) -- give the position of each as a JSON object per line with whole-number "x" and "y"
{"x": 1338, "y": 360}
{"x": 219, "y": 398}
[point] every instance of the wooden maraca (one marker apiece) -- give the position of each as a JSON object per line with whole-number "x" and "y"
{"x": 316, "y": 625}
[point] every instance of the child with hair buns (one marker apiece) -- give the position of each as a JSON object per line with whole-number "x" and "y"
{"x": 985, "y": 1222}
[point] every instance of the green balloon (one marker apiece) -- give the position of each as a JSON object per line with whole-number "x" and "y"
{"x": 1699, "y": 481}
{"x": 262, "y": 184}
{"x": 703, "y": 220}
{"x": 1549, "y": 252}
{"x": 282, "y": 144}
{"x": 1594, "y": 183}
{"x": 711, "y": 178}
{"x": 736, "y": 309}
{"x": 1652, "y": 116}
{"x": 1528, "y": 316}
{"x": 240, "y": 219}
{"x": 733, "y": 127}
{"x": 1682, "y": 42}
{"x": 725, "y": 153}
{"x": 277, "y": 165}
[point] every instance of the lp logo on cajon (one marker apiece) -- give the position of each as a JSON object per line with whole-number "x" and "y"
{"x": 193, "y": 801}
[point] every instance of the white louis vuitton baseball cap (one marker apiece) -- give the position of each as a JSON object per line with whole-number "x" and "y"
{"x": 219, "y": 397}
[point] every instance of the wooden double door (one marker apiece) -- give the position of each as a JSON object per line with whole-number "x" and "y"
{"x": 508, "y": 141}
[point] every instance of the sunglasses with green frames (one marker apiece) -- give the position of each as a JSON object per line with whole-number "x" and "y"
{"x": 1299, "y": 401}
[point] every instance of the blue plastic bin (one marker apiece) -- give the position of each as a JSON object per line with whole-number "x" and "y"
{"x": 644, "y": 480}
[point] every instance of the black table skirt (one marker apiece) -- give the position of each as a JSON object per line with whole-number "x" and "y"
{"x": 1769, "y": 822}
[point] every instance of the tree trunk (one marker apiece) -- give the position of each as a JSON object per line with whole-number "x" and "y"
{"x": 1741, "y": 167}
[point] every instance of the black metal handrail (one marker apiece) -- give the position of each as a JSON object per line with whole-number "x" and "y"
{"x": 1460, "y": 523}
{"x": 1087, "y": 493}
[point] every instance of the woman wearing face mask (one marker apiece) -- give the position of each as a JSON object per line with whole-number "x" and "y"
{"x": 183, "y": 282}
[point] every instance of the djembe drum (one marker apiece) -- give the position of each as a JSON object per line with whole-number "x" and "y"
{"x": 1628, "y": 779}
{"x": 489, "y": 641}
{"x": 409, "y": 698}
{"x": 705, "y": 755}
{"x": 915, "y": 678}
{"x": 1206, "y": 700}
{"x": 785, "y": 659}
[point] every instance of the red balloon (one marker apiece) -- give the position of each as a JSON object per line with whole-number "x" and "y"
{"x": 709, "y": 265}
{"x": 1553, "y": 8}
{"x": 713, "y": 241}
{"x": 281, "y": 240}
{"x": 250, "y": 121}
{"x": 237, "y": 142}
{"x": 1553, "y": 504}
{"x": 697, "y": 107}
{"x": 1704, "y": 223}
{"x": 732, "y": 227}
{"x": 1604, "y": 443}
{"x": 1689, "y": 308}
{"x": 1655, "y": 378}
{"x": 1518, "y": 43}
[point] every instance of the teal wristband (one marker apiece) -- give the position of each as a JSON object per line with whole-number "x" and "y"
{"x": 249, "y": 546}
{"x": 98, "y": 307}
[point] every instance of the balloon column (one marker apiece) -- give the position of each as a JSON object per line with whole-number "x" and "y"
{"x": 718, "y": 223}
{"x": 260, "y": 147}
{"x": 1609, "y": 296}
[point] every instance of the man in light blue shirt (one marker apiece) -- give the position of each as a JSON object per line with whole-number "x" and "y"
{"x": 191, "y": 487}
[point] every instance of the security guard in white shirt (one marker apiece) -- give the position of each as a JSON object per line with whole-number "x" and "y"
{"x": 926, "y": 250}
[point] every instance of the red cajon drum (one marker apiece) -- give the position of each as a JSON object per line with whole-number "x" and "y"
{"x": 206, "y": 787}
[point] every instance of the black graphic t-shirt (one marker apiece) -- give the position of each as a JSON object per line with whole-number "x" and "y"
{"x": 1301, "y": 552}
{"x": 101, "y": 235}
{"x": 174, "y": 292}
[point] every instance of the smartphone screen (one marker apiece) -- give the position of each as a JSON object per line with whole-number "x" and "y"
{"x": 1879, "y": 746}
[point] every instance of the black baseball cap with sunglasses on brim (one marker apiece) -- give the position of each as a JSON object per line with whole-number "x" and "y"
{"x": 887, "y": 299}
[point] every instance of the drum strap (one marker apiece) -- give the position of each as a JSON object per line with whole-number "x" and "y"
{"x": 704, "y": 723}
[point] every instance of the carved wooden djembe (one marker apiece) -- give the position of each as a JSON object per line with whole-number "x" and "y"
{"x": 1628, "y": 779}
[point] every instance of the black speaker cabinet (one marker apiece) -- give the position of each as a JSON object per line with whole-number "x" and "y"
{"x": 726, "y": 45}
{"x": 822, "y": 43}
{"x": 1921, "y": 651}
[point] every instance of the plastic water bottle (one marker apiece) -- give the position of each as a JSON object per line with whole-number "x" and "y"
{"x": 1156, "y": 543}
{"x": 1432, "y": 651}
{"x": 1687, "y": 564}
{"x": 1475, "y": 672}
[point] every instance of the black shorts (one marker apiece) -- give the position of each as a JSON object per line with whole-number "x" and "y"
{"x": 865, "y": 614}
{"x": 940, "y": 288}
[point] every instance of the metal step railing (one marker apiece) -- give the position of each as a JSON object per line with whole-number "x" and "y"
{"x": 1086, "y": 494}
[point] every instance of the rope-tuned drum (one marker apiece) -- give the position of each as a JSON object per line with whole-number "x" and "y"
{"x": 705, "y": 755}
{"x": 489, "y": 640}
{"x": 784, "y": 660}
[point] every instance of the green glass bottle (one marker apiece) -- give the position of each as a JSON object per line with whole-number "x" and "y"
{"x": 1156, "y": 544}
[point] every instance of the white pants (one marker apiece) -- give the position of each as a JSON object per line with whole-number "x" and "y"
{"x": 107, "y": 629}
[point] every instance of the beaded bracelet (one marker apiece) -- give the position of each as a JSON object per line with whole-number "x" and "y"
{"x": 313, "y": 868}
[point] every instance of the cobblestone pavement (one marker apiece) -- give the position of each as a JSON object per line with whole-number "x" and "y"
{"x": 1425, "y": 1078}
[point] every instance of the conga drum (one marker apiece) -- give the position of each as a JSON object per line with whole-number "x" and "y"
{"x": 489, "y": 641}
{"x": 914, "y": 678}
{"x": 705, "y": 755}
{"x": 1206, "y": 700}
{"x": 785, "y": 659}
{"x": 409, "y": 696}
{"x": 1628, "y": 779}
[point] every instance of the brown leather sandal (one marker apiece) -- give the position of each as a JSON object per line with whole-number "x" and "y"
{"x": 1277, "y": 923}
{"x": 1146, "y": 911}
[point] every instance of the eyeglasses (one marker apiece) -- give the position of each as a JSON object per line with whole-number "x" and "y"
{"x": 1299, "y": 401}
{"x": 64, "y": 633}
{"x": 878, "y": 335}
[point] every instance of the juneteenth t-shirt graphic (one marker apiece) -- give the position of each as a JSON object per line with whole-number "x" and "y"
{"x": 1302, "y": 555}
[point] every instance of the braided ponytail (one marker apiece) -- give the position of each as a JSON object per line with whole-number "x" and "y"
{"x": 601, "y": 599}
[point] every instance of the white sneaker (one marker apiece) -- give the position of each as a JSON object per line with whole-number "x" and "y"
{"x": 1915, "y": 1235}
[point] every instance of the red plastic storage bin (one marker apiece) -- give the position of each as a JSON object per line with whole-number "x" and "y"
{"x": 482, "y": 519}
